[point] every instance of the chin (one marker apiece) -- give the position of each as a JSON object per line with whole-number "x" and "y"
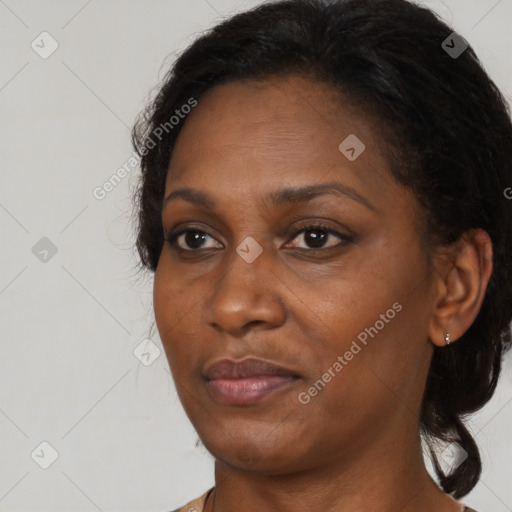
{"x": 269, "y": 455}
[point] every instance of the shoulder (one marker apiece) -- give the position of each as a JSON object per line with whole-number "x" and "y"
{"x": 196, "y": 505}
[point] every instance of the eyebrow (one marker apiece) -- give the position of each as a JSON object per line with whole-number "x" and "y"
{"x": 285, "y": 196}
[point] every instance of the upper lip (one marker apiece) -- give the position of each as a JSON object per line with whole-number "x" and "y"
{"x": 248, "y": 367}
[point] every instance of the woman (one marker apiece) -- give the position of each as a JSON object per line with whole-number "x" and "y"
{"x": 322, "y": 202}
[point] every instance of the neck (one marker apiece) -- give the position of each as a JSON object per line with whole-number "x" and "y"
{"x": 384, "y": 477}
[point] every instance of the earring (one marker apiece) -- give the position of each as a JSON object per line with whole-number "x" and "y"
{"x": 447, "y": 338}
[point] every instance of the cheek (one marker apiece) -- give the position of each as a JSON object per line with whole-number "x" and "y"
{"x": 173, "y": 313}
{"x": 173, "y": 297}
{"x": 164, "y": 302}
{"x": 377, "y": 324}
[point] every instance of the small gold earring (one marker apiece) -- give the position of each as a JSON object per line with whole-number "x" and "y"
{"x": 447, "y": 338}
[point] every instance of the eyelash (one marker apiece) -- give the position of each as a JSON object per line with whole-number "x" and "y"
{"x": 344, "y": 239}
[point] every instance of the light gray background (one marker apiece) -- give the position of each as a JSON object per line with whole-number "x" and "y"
{"x": 70, "y": 325}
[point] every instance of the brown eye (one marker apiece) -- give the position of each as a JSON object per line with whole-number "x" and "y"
{"x": 189, "y": 239}
{"x": 316, "y": 237}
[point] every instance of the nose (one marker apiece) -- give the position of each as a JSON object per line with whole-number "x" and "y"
{"x": 246, "y": 294}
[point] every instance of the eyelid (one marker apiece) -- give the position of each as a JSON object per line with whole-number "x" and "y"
{"x": 307, "y": 226}
{"x": 320, "y": 225}
{"x": 172, "y": 236}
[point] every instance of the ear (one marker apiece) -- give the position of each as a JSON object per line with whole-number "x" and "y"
{"x": 461, "y": 281}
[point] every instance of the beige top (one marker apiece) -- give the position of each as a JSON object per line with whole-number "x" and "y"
{"x": 197, "y": 505}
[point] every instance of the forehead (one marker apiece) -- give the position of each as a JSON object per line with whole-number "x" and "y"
{"x": 272, "y": 132}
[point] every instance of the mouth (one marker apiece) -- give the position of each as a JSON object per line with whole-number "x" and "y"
{"x": 247, "y": 381}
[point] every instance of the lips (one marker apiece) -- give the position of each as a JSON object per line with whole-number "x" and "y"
{"x": 249, "y": 367}
{"x": 247, "y": 381}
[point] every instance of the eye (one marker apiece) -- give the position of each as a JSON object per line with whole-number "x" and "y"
{"x": 192, "y": 239}
{"x": 316, "y": 236}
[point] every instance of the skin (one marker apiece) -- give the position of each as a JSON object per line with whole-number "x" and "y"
{"x": 355, "y": 446}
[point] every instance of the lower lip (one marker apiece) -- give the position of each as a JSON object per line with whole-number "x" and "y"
{"x": 246, "y": 391}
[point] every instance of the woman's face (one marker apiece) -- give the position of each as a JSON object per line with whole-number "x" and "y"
{"x": 345, "y": 314}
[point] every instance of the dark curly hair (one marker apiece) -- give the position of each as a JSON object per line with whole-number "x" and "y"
{"x": 448, "y": 138}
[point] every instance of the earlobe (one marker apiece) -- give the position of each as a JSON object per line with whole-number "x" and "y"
{"x": 462, "y": 282}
